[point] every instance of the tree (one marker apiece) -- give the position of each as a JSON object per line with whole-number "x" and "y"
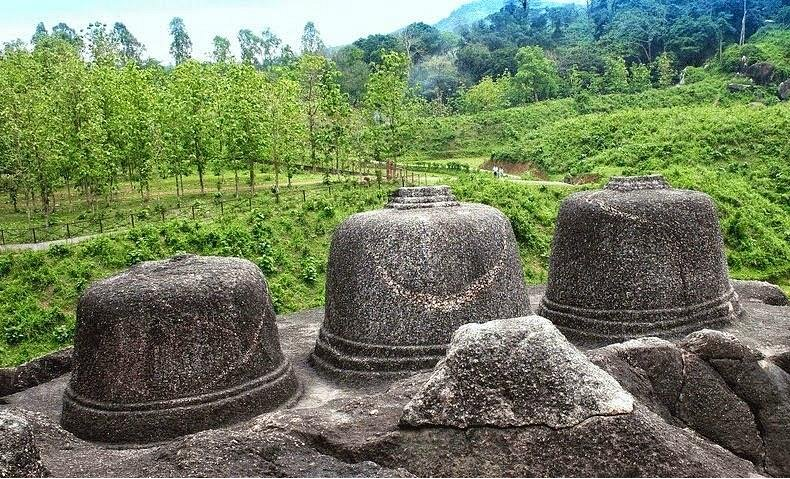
{"x": 221, "y": 52}
{"x": 537, "y": 77}
{"x": 250, "y": 46}
{"x": 311, "y": 40}
{"x": 390, "y": 107}
{"x": 333, "y": 132}
{"x": 270, "y": 45}
{"x": 374, "y": 46}
{"x": 39, "y": 34}
{"x": 180, "y": 43}
{"x": 354, "y": 71}
{"x": 67, "y": 34}
{"x": 615, "y": 77}
{"x": 130, "y": 48}
{"x": 103, "y": 46}
{"x": 665, "y": 70}
{"x": 640, "y": 78}
{"x": 421, "y": 40}
{"x": 283, "y": 128}
{"x": 488, "y": 95}
{"x": 310, "y": 71}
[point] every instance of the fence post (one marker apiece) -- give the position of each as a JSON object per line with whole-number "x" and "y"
{"x": 193, "y": 212}
{"x": 2, "y": 236}
{"x": 34, "y": 235}
{"x": 101, "y": 225}
{"x": 330, "y": 189}
{"x": 132, "y": 217}
{"x": 163, "y": 215}
{"x": 68, "y": 232}
{"x": 304, "y": 196}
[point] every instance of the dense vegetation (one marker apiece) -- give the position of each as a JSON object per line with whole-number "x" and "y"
{"x": 89, "y": 127}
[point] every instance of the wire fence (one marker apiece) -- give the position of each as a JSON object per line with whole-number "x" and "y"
{"x": 210, "y": 208}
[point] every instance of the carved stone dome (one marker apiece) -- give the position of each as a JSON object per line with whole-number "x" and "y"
{"x": 402, "y": 280}
{"x": 638, "y": 258}
{"x": 171, "y": 347}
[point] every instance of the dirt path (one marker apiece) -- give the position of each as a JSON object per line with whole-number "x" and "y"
{"x": 46, "y": 244}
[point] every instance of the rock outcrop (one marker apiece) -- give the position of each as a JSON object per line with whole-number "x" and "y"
{"x": 401, "y": 280}
{"x": 172, "y": 347}
{"x": 35, "y": 372}
{"x": 19, "y": 456}
{"x": 715, "y": 384}
{"x": 760, "y": 291}
{"x": 515, "y": 372}
{"x": 635, "y": 259}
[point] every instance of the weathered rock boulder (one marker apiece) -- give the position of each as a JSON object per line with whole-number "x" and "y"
{"x": 35, "y": 372}
{"x": 637, "y": 258}
{"x": 760, "y": 291}
{"x": 19, "y": 456}
{"x": 401, "y": 280}
{"x": 171, "y": 347}
{"x": 761, "y": 73}
{"x": 515, "y": 372}
{"x": 713, "y": 383}
{"x": 784, "y": 90}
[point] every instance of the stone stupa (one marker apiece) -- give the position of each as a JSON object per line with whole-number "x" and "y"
{"x": 401, "y": 280}
{"x": 171, "y": 347}
{"x": 638, "y": 258}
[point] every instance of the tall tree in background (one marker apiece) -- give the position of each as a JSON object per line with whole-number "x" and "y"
{"x": 102, "y": 46}
{"x": 283, "y": 126}
{"x": 180, "y": 43}
{"x": 130, "y": 48}
{"x": 310, "y": 71}
{"x": 311, "y": 40}
{"x": 270, "y": 45}
{"x": 67, "y": 34}
{"x": 39, "y": 34}
{"x": 221, "y": 52}
{"x": 390, "y": 107}
{"x": 250, "y": 46}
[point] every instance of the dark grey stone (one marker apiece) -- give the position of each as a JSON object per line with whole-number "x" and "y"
{"x": 19, "y": 456}
{"x": 515, "y": 372}
{"x": 354, "y": 429}
{"x": 714, "y": 383}
{"x": 784, "y": 90}
{"x": 171, "y": 347}
{"x": 637, "y": 259}
{"x": 401, "y": 280}
{"x": 760, "y": 291}
{"x": 34, "y": 372}
{"x": 762, "y": 73}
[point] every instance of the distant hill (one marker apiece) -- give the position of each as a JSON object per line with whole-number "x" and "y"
{"x": 479, "y": 9}
{"x": 470, "y": 13}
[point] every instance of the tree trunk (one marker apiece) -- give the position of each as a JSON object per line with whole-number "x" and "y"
{"x": 252, "y": 177}
{"x": 68, "y": 192}
{"x": 236, "y": 176}
{"x": 200, "y": 175}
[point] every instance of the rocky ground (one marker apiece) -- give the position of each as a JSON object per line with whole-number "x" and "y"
{"x": 715, "y": 403}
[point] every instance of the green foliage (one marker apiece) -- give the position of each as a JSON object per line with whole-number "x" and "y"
{"x": 536, "y": 78}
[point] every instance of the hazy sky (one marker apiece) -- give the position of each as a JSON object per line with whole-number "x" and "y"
{"x": 339, "y": 21}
